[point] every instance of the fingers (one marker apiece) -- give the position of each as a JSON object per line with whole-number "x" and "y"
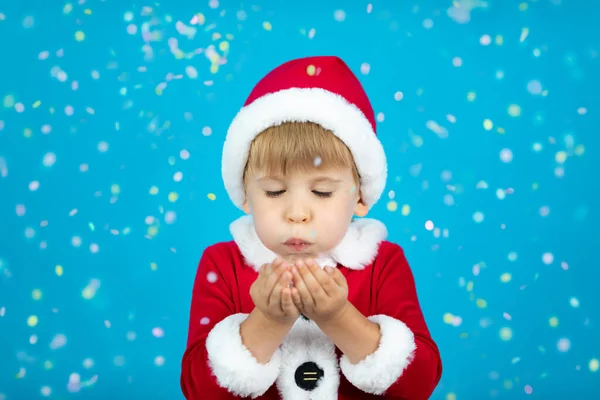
{"x": 287, "y": 303}
{"x": 309, "y": 289}
{"x": 325, "y": 279}
{"x": 282, "y": 283}
{"x": 339, "y": 278}
{"x": 273, "y": 274}
{"x": 296, "y": 298}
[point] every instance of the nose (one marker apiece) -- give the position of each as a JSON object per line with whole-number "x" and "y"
{"x": 298, "y": 213}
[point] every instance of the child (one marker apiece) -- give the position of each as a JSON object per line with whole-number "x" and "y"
{"x": 305, "y": 302}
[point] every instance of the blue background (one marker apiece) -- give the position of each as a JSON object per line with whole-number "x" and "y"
{"x": 112, "y": 318}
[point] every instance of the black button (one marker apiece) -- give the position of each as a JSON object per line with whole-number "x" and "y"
{"x": 308, "y": 376}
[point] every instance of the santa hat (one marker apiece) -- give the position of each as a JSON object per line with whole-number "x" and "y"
{"x": 322, "y": 90}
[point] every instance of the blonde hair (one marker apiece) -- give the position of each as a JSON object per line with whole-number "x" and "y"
{"x": 298, "y": 147}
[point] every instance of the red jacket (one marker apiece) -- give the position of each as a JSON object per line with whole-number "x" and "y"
{"x": 216, "y": 365}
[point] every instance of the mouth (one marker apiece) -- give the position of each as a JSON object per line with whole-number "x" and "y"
{"x": 297, "y": 245}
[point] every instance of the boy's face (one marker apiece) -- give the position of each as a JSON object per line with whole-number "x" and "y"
{"x": 304, "y": 214}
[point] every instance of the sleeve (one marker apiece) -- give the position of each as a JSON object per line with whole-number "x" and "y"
{"x": 216, "y": 364}
{"x": 407, "y": 363}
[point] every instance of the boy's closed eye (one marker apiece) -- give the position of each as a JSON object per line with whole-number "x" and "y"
{"x": 280, "y": 192}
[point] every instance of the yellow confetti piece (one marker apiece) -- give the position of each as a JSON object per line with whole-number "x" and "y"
{"x": 36, "y": 294}
{"x": 224, "y": 46}
{"x": 448, "y": 318}
{"x": 36, "y": 104}
{"x": 481, "y": 303}
{"x": 561, "y": 157}
{"x": 405, "y": 210}
{"x": 508, "y": 384}
{"x": 48, "y": 364}
{"x": 464, "y": 335}
{"x": 153, "y": 266}
{"x": 450, "y": 396}
{"x": 214, "y": 68}
{"x": 87, "y": 11}
{"x": 267, "y": 26}
{"x": 311, "y": 70}
{"x": 153, "y": 190}
{"x": 514, "y": 110}
{"x": 471, "y": 96}
{"x": 88, "y": 293}
{"x": 173, "y": 196}
{"x": 115, "y": 189}
{"x": 500, "y": 130}
{"x": 79, "y": 36}
{"x": 499, "y": 40}
{"x": 58, "y": 270}
{"x": 27, "y": 132}
{"x": 523, "y": 7}
{"x": 579, "y": 149}
{"x": 470, "y": 286}
{"x": 152, "y": 231}
{"x": 392, "y": 206}
{"x": 488, "y": 124}
{"x": 216, "y": 36}
{"x": 506, "y": 334}
{"x": 505, "y": 277}
{"x": 32, "y": 321}
{"x": 211, "y": 196}
{"x": 553, "y": 322}
{"x": 68, "y": 8}
{"x": 594, "y": 365}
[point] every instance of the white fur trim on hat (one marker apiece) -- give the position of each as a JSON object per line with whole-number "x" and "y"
{"x": 320, "y": 106}
{"x": 379, "y": 370}
{"x": 233, "y": 364}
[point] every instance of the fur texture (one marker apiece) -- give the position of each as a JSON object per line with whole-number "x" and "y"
{"x": 357, "y": 249}
{"x": 325, "y": 108}
{"x": 306, "y": 342}
{"x": 379, "y": 370}
{"x": 233, "y": 365}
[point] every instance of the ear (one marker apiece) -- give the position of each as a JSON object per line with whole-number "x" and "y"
{"x": 246, "y": 207}
{"x": 361, "y": 209}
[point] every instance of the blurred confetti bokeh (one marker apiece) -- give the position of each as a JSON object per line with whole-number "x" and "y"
{"x": 112, "y": 119}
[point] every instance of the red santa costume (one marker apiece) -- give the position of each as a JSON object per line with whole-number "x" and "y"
{"x": 308, "y": 365}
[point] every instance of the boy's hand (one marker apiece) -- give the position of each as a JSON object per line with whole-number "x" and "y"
{"x": 319, "y": 295}
{"x": 271, "y": 294}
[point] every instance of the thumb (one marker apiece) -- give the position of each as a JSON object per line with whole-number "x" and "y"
{"x": 287, "y": 304}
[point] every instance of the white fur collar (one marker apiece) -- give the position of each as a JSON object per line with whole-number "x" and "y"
{"x": 356, "y": 250}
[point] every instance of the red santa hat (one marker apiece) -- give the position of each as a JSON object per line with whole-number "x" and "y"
{"x": 322, "y": 90}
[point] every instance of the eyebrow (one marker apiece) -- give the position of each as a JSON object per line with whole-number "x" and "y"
{"x": 318, "y": 179}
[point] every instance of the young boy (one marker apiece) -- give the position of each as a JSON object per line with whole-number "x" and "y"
{"x": 305, "y": 302}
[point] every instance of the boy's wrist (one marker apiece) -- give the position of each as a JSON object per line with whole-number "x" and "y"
{"x": 275, "y": 323}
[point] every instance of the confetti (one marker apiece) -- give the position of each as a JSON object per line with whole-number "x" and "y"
{"x": 339, "y": 15}
{"x": 506, "y": 155}
{"x": 506, "y": 334}
{"x": 488, "y": 166}
{"x": 594, "y": 365}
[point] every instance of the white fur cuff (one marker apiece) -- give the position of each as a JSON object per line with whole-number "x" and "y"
{"x": 233, "y": 364}
{"x": 379, "y": 370}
